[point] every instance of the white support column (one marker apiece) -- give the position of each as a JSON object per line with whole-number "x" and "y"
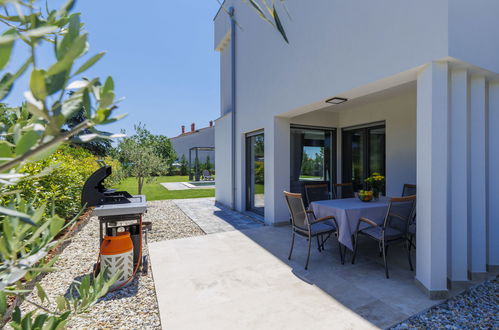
{"x": 432, "y": 178}
{"x": 459, "y": 169}
{"x": 478, "y": 220}
{"x": 493, "y": 179}
{"x": 277, "y": 170}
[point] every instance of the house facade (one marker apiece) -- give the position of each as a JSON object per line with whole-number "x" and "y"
{"x": 409, "y": 89}
{"x": 188, "y": 141}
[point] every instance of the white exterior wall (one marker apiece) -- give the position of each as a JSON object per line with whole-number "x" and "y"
{"x": 357, "y": 47}
{"x": 223, "y": 139}
{"x": 399, "y": 113}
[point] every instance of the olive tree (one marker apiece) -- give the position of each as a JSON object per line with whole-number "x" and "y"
{"x": 27, "y": 233}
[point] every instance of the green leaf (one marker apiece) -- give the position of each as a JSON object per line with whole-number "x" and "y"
{"x": 41, "y": 31}
{"x": 7, "y": 39}
{"x": 114, "y": 119}
{"x": 6, "y": 49}
{"x": 87, "y": 105}
{"x": 37, "y": 84}
{"x": 41, "y": 293}
{"x": 5, "y": 85}
{"x": 47, "y": 152}
{"x": 61, "y": 303}
{"x": 72, "y": 105}
{"x": 13, "y": 213}
{"x": 76, "y": 49}
{"x": 56, "y": 82}
{"x": 107, "y": 99}
{"x": 108, "y": 86}
{"x": 8, "y": 79}
{"x": 259, "y": 10}
{"x": 40, "y": 321}
{"x": 56, "y": 224}
{"x": 278, "y": 24}
{"x": 16, "y": 316}
{"x": 65, "y": 44}
{"x": 101, "y": 115}
{"x": 26, "y": 322}
{"x": 94, "y": 59}
{"x": 26, "y": 142}
{"x": 3, "y": 302}
{"x": 5, "y": 149}
{"x": 66, "y": 8}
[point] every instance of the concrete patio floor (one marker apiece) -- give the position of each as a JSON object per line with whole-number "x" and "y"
{"x": 243, "y": 280}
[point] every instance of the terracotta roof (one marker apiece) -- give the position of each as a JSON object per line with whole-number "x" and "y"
{"x": 190, "y": 132}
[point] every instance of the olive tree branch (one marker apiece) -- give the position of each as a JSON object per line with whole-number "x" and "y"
{"x": 61, "y": 138}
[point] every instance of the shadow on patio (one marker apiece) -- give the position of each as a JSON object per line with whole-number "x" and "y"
{"x": 243, "y": 279}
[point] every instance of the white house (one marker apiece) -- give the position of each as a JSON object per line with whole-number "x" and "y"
{"x": 202, "y": 139}
{"x": 421, "y": 80}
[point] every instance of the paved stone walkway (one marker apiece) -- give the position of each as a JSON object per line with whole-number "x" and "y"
{"x": 215, "y": 218}
{"x": 182, "y": 186}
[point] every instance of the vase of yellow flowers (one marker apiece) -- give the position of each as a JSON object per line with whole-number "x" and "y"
{"x": 376, "y": 182}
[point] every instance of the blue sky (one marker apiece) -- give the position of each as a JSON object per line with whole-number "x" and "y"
{"x": 160, "y": 54}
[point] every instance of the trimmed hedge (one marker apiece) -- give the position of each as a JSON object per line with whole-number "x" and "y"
{"x": 62, "y": 186}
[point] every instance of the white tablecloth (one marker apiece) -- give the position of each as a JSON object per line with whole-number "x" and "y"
{"x": 347, "y": 212}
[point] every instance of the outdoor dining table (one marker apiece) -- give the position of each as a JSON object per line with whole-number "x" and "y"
{"x": 347, "y": 212}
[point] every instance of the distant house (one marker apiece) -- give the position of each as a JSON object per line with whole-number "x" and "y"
{"x": 195, "y": 138}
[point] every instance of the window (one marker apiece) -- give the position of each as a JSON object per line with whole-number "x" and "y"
{"x": 255, "y": 172}
{"x": 363, "y": 151}
{"x": 312, "y": 155}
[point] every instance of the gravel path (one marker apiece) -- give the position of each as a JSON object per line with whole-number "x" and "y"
{"x": 476, "y": 308}
{"x": 133, "y": 307}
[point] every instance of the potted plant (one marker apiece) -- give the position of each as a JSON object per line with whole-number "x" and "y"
{"x": 376, "y": 182}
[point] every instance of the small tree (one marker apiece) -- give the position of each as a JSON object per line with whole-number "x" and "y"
{"x": 196, "y": 168}
{"x": 208, "y": 165}
{"x": 141, "y": 162}
{"x": 184, "y": 166}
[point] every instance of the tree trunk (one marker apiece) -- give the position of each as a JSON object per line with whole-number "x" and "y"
{"x": 141, "y": 183}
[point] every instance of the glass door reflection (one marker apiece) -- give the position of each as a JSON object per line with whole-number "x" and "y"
{"x": 255, "y": 173}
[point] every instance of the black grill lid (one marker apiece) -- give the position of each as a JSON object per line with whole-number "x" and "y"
{"x": 94, "y": 193}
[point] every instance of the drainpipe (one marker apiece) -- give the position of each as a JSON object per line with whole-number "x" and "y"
{"x": 233, "y": 100}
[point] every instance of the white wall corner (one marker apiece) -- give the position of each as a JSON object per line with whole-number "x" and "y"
{"x": 432, "y": 176}
{"x": 277, "y": 170}
{"x": 493, "y": 176}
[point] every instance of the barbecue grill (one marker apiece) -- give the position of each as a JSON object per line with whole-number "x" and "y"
{"x": 117, "y": 211}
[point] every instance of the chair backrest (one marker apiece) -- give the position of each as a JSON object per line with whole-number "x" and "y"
{"x": 400, "y": 212}
{"x": 297, "y": 210}
{"x": 316, "y": 192}
{"x": 206, "y": 173}
{"x": 409, "y": 190}
{"x": 343, "y": 190}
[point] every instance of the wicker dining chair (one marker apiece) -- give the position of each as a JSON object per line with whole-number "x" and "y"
{"x": 305, "y": 224}
{"x": 316, "y": 192}
{"x": 343, "y": 190}
{"x": 408, "y": 190}
{"x": 393, "y": 229}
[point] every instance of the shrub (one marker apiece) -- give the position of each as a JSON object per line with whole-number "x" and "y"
{"x": 63, "y": 184}
{"x": 259, "y": 172}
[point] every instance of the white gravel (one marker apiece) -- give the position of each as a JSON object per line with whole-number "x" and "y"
{"x": 132, "y": 307}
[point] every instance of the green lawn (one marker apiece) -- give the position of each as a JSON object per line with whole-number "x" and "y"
{"x": 155, "y": 191}
{"x": 259, "y": 188}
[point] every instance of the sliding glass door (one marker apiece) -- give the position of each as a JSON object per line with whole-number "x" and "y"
{"x": 363, "y": 153}
{"x": 255, "y": 172}
{"x": 312, "y": 157}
